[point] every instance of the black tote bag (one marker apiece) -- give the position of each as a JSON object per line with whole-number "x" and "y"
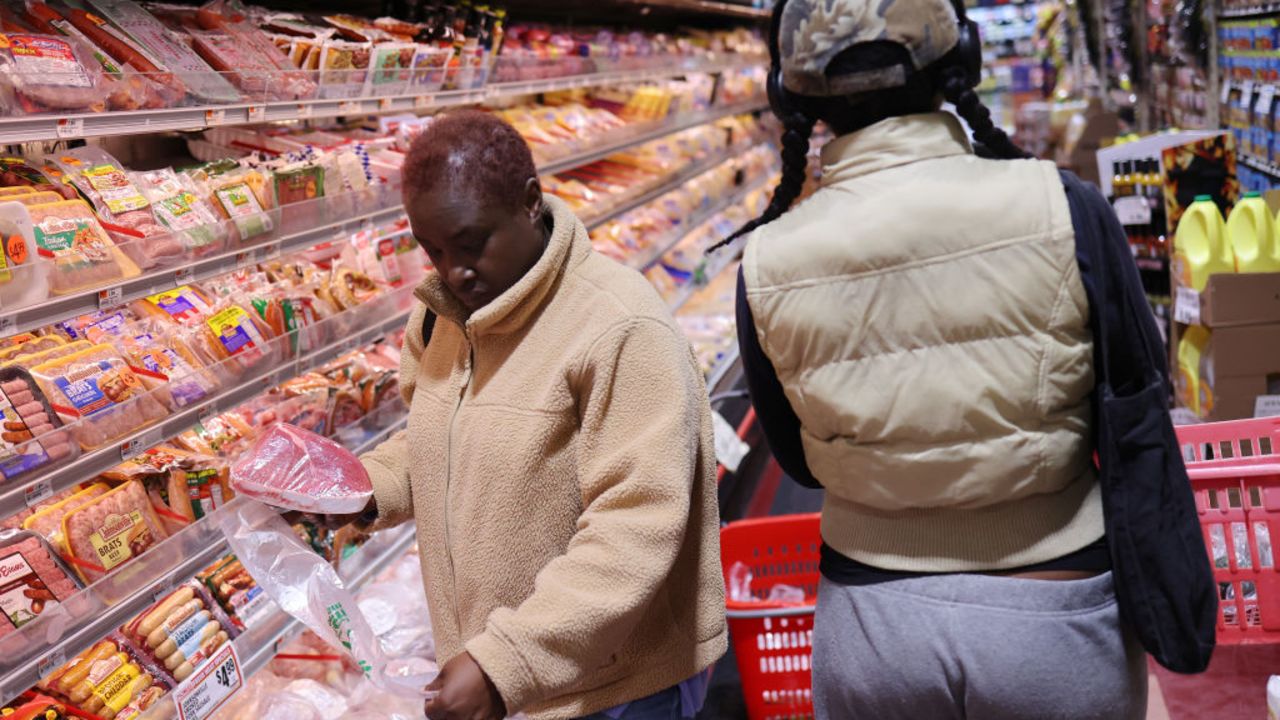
{"x": 1163, "y": 579}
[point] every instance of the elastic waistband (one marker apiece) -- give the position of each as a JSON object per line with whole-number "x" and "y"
{"x": 1005, "y": 593}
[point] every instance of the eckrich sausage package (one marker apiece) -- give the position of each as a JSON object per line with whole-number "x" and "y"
{"x": 307, "y": 587}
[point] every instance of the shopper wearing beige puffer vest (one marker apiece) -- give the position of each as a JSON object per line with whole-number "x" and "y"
{"x": 558, "y": 461}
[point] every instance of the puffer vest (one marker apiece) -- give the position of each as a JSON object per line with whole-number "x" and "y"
{"x": 925, "y": 315}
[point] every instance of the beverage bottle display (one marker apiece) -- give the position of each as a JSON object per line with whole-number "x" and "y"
{"x": 1200, "y": 245}
{"x": 1252, "y": 233}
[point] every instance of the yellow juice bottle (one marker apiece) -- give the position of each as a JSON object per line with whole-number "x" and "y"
{"x": 1200, "y": 246}
{"x": 1252, "y": 233}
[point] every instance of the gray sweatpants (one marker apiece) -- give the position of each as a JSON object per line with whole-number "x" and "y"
{"x": 976, "y": 647}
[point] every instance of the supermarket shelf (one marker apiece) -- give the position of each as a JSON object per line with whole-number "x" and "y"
{"x": 719, "y": 262}
{"x": 697, "y": 220}
{"x": 19, "y": 496}
{"x": 721, "y": 370}
{"x": 58, "y": 308}
{"x": 665, "y": 186}
{"x": 112, "y": 601}
{"x": 709, "y": 7}
{"x": 652, "y": 131}
{"x": 1259, "y": 165}
{"x": 66, "y": 127}
{"x": 1269, "y": 8}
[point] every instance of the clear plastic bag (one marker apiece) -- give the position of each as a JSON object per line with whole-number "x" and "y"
{"x": 307, "y": 587}
{"x": 292, "y": 468}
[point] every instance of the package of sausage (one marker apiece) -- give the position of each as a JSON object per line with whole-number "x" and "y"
{"x": 82, "y": 253}
{"x": 235, "y": 591}
{"x": 47, "y": 522}
{"x": 32, "y": 579}
{"x": 183, "y": 486}
{"x": 106, "y": 680}
{"x": 29, "y": 440}
{"x": 184, "y": 304}
{"x": 98, "y": 395}
{"x": 180, "y": 631}
{"x": 35, "y": 706}
{"x": 111, "y": 530}
{"x": 47, "y": 73}
{"x": 226, "y": 435}
{"x": 175, "y": 203}
{"x": 165, "y": 362}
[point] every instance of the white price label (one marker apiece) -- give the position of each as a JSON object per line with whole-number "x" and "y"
{"x": 1266, "y": 406}
{"x": 730, "y": 449}
{"x": 161, "y": 591}
{"x": 70, "y": 127}
{"x": 110, "y": 298}
{"x": 206, "y": 412}
{"x": 1246, "y": 93}
{"x": 304, "y": 110}
{"x": 1183, "y": 416}
{"x": 183, "y": 276}
{"x": 38, "y": 493}
{"x": 8, "y": 325}
{"x": 270, "y": 251}
{"x": 213, "y": 118}
{"x": 1132, "y": 210}
{"x": 1186, "y": 306}
{"x": 245, "y": 258}
{"x": 216, "y": 682}
{"x": 54, "y": 660}
{"x": 143, "y": 442}
{"x": 1226, "y": 92}
{"x": 386, "y": 104}
{"x": 257, "y": 113}
{"x": 424, "y": 102}
{"x": 350, "y": 107}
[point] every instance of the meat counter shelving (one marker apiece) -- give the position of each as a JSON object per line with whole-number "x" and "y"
{"x": 386, "y": 209}
{"x": 36, "y": 128}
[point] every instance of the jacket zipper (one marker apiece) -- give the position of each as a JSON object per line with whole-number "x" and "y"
{"x": 448, "y": 483}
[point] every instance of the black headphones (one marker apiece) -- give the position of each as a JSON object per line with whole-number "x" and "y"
{"x": 967, "y": 54}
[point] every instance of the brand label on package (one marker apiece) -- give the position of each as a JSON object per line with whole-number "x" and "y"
{"x": 114, "y": 541}
{"x": 23, "y": 595}
{"x": 46, "y": 60}
{"x": 235, "y": 330}
{"x": 181, "y": 303}
{"x": 118, "y": 194}
{"x": 216, "y": 682}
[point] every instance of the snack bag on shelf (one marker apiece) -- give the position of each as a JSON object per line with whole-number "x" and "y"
{"x": 48, "y": 521}
{"x": 47, "y": 73}
{"x": 180, "y": 632}
{"x": 235, "y": 590}
{"x": 183, "y": 486}
{"x": 32, "y": 579}
{"x": 296, "y": 469}
{"x": 111, "y": 530}
{"x": 29, "y": 439}
{"x": 98, "y": 395}
{"x": 178, "y": 208}
{"x": 83, "y": 255}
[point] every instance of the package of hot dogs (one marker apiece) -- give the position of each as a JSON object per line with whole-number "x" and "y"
{"x": 109, "y": 680}
{"x": 181, "y": 631}
{"x": 32, "y": 579}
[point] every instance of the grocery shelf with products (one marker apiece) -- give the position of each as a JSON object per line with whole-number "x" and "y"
{"x": 264, "y": 270}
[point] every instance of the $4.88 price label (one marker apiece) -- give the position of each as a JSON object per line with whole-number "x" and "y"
{"x": 216, "y": 682}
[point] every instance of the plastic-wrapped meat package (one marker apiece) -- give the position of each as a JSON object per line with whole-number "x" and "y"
{"x": 180, "y": 632}
{"x": 29, "y": 439}
{"x": 286, "y": 81}
{"x": 121, "y": 205}
{"x": 15, "y": 522}
{"x": 47, "y": 522}
{"x": 292, "y": 468}
{"x": 47, "y": 73}
{"x": 236, "y": 591}
{"x": 242, "y": 196}
{"x": 107, "y": 681}
{"x": 84, "y": 256}
{"x": 225, "y": 435}
{"x": 165, "y": 362}
{"x": 184, "y": 486}
{"x": 231, "y": 331}
{"x": 32, "y": 579}
{"x": 111, "y": 530}
{"x": 177, "y": 207}
{"x": 98, "y": 395}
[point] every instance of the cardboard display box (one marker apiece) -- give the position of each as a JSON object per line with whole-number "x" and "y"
{"x": 1244, "y": 362}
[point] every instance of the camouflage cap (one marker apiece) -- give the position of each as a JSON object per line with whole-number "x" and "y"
{"x": 812, "y": 32}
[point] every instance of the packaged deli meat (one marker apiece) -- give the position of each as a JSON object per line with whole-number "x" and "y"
{"x": 180, "y": 631}
{"x": 105, "y": 681}
{"x": 111, "y": 530}
{"x": 165, "y": 362}
{"x": 24, "y": 277}
{"x": 98, "y": 395}
{"x": 299, "y": 470}
{"x": 47, "y": 522}
{"x": 32, "y": 579}
{"x": 47, "y": 73}
{"x": 83, "y": 255}
{"x": 34, "y": 706}
{"x": 177, "y": 207}
{"x": 236, "y": 591}
{"x": 200, "y": 80}
{"x": 29, "y": 439}
{"x": 183, "y": 486}
{"x": 226, "y": 435}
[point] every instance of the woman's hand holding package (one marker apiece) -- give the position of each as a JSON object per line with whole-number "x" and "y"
{"x": 464, "y": 692}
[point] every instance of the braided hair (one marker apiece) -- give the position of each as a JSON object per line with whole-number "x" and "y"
{"x": 956, "y": 89}
{"x": 797, "y": 128}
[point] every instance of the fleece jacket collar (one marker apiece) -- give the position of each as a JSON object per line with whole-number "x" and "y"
{"x": 569, "y": 245}
{"x": 893, "y": 142}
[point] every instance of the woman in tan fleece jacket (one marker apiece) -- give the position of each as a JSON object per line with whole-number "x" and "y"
{"x": 558, "y": 460}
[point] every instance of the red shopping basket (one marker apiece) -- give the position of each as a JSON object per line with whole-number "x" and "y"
{"x": 1235, "y": 472}
{"x": 772, "y": 640}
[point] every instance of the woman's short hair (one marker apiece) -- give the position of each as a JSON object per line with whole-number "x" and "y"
{"x": 472, "y": 151}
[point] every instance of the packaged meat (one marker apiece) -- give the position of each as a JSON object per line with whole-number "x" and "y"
{"x": 165, "y": 362}
{"x": 9, "y": 192}
{"x": 103, "y": 680}
{"x": 47, "y": 73}
{"x": 83, "y": 254}
{"x": 111, "y": 530}
{"x": 35, "y": 707}
{"x": 32, "y": 579}
{"x": 180, "y": 631}
{"x": 24, "y": 278}
{"x": 297, "y": 183}
{"x": 296, "y": 469}
{"x": 30, "y": 360}
{"x": 47, "y": 522}
{"x": 232, "y": 331}
{"x": 344, "y": 68}
{"x": 183, "y": 486}
{"x": 392, "y": 65}
{"x": 236, "y": 591}
{"x": 243, "y": 196}
{"x": 204, "y": 84}
{"x": 225, "y": 435}
{"x": 285, "y": 81}
{"x": 184, "y": 304}
{"x": 98, "y": 395}
{"x": 15, "y": 521}
{"x": 31, "y": 346}
{"x": 180, "y": 210}
{"x": 28, "y": 441}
